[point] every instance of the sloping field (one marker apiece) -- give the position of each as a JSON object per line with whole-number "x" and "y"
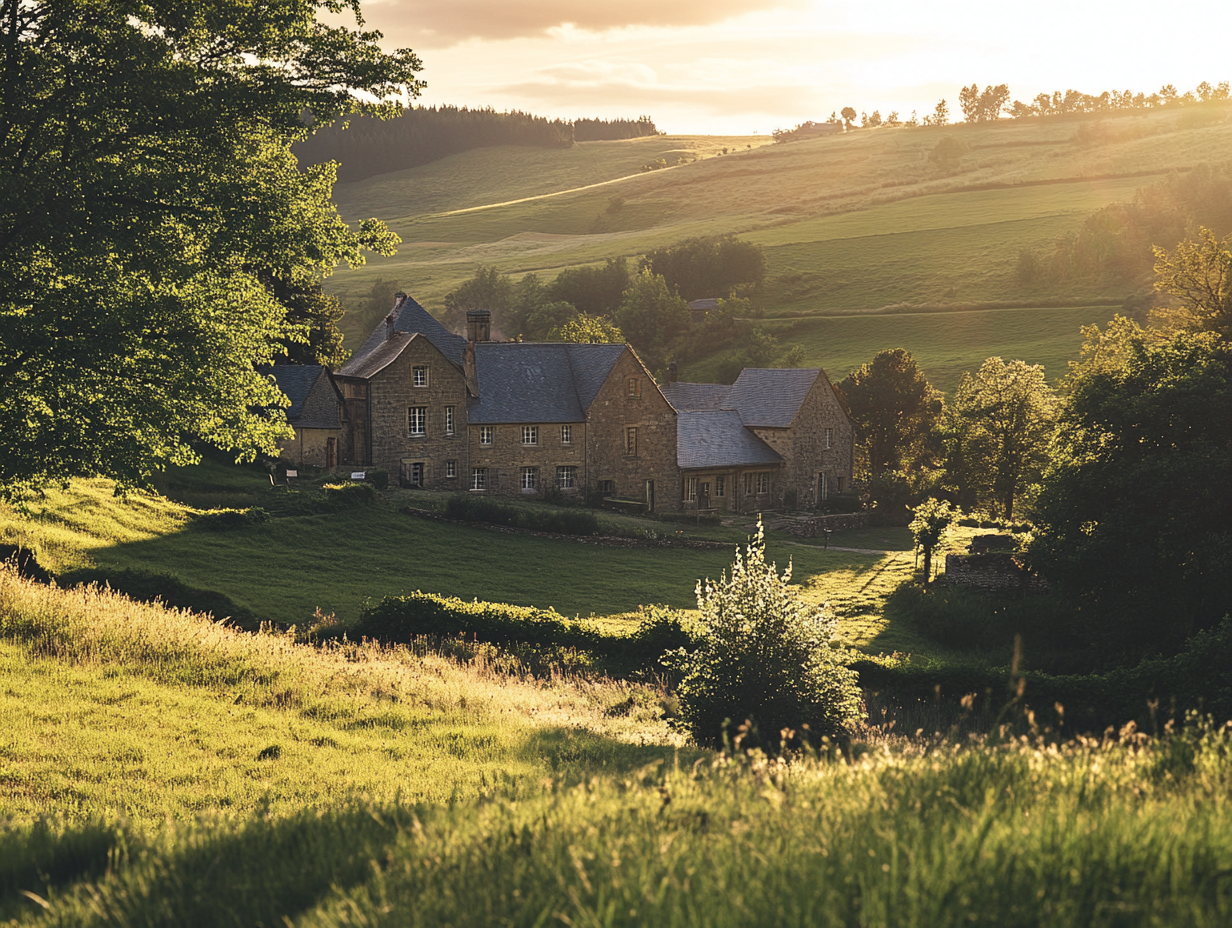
{"x": 852, "y": 222}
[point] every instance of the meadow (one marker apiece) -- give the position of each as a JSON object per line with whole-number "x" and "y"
{"x": 850, "y": 224}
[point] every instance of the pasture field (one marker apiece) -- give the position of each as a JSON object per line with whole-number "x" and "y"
{"x": 850, "y": 223}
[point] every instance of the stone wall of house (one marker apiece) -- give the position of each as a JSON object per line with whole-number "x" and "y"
{"x": 393, "y": 394}
{"x": 507, "y": 455}
{"x": 615, "y": 409}
{"x": 815, "y": 528}
{"x": 353, "y": 448}
{"x": 994, "y": 572}
{"x": 805, "y": 450}
{"x": 310, "y": 448}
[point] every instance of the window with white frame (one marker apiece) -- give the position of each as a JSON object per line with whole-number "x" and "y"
{"x": 566, "y": 434}
{"x": 486, "y": 433}
{"x": 448, "y": 420}
{"x": 417, "y": 421}
{"x": 690, "y": 489}
{"x": 479, "y": 478}
{"x": 530, "y": 434}
{"x": 720, "y": 485}
{"x": 451, "y": 469}
{"x": 566, "y": 477}
{"x": 829, "y": 438}
{"x": 530, "y": 479}
{"x": 419, "y": 375}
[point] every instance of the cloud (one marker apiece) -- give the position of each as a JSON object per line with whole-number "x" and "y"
{"x": 442, "y": 23}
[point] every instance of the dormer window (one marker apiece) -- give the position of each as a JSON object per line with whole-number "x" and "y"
{"x": 419, "y": 375}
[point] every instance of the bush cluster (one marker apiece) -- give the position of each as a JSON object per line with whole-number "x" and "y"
{"x": 223, "y": 520}
{"x": 481, "y": 509}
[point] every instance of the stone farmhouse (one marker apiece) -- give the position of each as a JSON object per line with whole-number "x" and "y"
{"x": 443, "y": 411}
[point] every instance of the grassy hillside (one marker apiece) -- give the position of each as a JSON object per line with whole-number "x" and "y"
{"x": 849, "y": 223}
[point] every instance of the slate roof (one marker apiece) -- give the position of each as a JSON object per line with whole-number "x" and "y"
{"x": 696, "y": 396}
{"x": 310, "y": 408}
{"x": 718, "y": 438}
{"x": 771, "y": 398}
{"x": 530, "y": 382}
{"x": 410, "y": 319}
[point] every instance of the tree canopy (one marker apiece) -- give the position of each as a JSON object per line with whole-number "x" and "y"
{"x": 1199, "y": 274}
{"x": 707, "y": 267}
{"x": 150, "y": 201}
{"x": 1135, "y": 516}
{"x": 895, "y": 411}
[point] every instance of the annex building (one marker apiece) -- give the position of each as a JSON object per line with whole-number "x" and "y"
{"x": 449, "y": 412}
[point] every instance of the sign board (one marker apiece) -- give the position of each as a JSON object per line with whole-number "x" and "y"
{"x": 292, "y": 473}
{"x": 357, "y": 475}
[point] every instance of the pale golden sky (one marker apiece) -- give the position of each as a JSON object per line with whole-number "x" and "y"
{"x": 745, "y": 66}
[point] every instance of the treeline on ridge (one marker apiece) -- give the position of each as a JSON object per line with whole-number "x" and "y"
{"x": 422, "y": 134}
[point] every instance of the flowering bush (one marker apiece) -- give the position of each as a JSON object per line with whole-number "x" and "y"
{"x": 766, "y": 658}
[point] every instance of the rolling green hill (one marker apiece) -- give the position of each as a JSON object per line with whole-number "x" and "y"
{"x": 850, "y": 223}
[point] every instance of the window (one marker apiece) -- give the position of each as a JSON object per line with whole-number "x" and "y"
{"x": 448, "y": 420}
{"x": 566, "y": 434}
{"x": 530, "y": 434}
{"x": 530, "y": 479}
{"x": 634, "y": 386}
{"x": 631, "y": 441}
{"x": 417, "y": 421}
{"x": 720, "y": 486}
{"x": 479, "y": 478}
{"x": 690, "y": 489}
{"x": 419, "y": 375}
{"x": 756, "y": 484}
{"x": 566, "y": 477}
{"x": 451, "y": 469}
{"x": 607, "y": 487}
{"x": 829, "y": 438}
{"x": 485, "y": 434}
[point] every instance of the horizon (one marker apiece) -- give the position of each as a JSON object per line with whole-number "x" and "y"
{"x": 748, "y": 67}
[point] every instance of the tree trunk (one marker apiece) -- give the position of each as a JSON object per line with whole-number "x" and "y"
{"x": 928, "y": 564}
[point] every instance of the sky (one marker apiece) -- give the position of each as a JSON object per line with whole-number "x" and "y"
{"x": 740, "y": 67}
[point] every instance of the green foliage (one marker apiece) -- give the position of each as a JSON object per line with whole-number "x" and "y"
{"x": 764, "y": 657}
{"x": 488, "y": 289}
{"x": 1199, "y": 275}
{"x": 895, "y": 412}
{"x": 378, "y": 478}
{"x": 1133, "y": 518}
{"x": 170, "y": 590}
{"x": 468, "y": 508}
{"x": 932, "y": 519}
{"x": 585, "y": 329}
{"x": 221, "y": 520}
{"x": 996, "y": 434}
{"x": 708, "y": 267}
{"x": 652, "y": 317}
{"x": 592, "y": 290}
{"x": 134, "y": 293}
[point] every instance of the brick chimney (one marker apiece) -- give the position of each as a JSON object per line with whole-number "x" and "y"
{"x": 478, "y": 326}
{"x": 673, "y": 373}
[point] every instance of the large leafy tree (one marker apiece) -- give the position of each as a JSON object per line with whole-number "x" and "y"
{"x": 895, "y": 411}
{"x": 996, "y": 434}
{"x": 1135, "y": 515}
{"x": 151, "y": 213}
{"x": 652, "y": 317}
{"x": 1199, "y": 275}
{"x": 708, "y": 267}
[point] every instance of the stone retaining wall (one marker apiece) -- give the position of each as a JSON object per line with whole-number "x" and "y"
{"x": 812, "y": 528}
{"x": 994, "y": 572}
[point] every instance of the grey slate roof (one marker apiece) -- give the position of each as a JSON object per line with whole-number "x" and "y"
{"x": 718, "y": 438}
{"x": 695, "y": 396}
{"x": 411, "y": 318}
{"x": 314, "y": 404}
{"x": 529, "y": 382}
{"x": 771, "y": 398}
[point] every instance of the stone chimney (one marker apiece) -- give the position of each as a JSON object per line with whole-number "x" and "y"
{"x": 478, "y": 326}
{"x": 673, "y": 373}
{"x": 389, "y": 326}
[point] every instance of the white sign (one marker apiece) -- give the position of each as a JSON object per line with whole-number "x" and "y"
{"x": 357, "y": 475}
{"x": 292, "y": 473}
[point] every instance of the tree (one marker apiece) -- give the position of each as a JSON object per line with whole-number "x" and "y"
{"x": 584, "y": 329}
{"x": 595, "y": 291}
{"x": 487, "y": 289}
{"x": 849, "y": 116}
{"x": 708, "y": 267}
{"x": 985, "y": 106}
{"x": 1134, "y": 518}
{"x": 652, "y": 317}
{"x": 996, "y": 433}
{"x": 895, "y": 411}
{"x": 1199, "y": 274}
{"x": 313, "y": 336}
{"x": 150, "y": 199}
{"x": 941, "y": 113}
{"x": 765, "y": 657}
{"x": 932, "y": 519}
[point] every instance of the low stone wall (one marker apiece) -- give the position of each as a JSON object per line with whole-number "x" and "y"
{"x": 994, "y": 572}
{"x": 812, "y": 528}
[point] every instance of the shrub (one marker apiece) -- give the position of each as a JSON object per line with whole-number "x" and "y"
{"x": 661, "y": 632}
{"x": 767, "y": 658}
{"x": 379, "y": 479}
{"x": 222, "y": 520}
{"x": 339, "y": 496}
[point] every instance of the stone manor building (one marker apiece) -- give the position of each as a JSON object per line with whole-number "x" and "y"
{"x": 439, "y": 410}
